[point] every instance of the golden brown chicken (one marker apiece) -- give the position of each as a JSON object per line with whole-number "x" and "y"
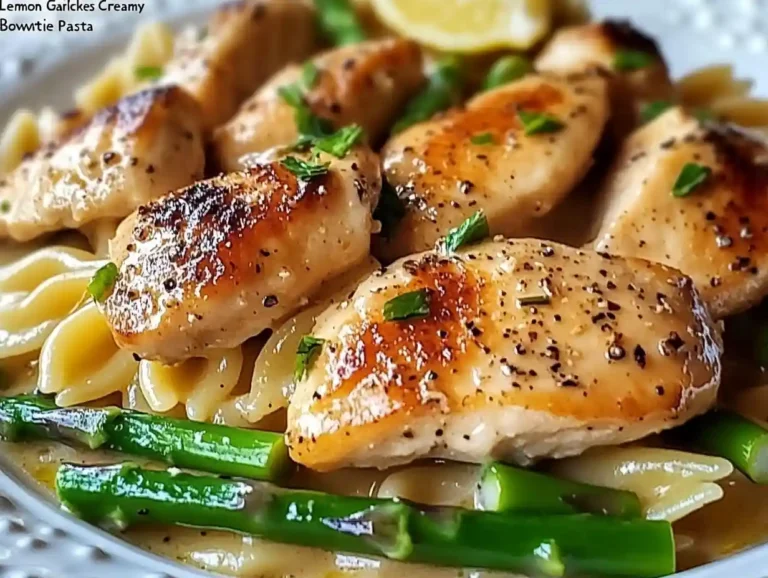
{"x": 718, "y": 231}
{"x": 366, "y": 84}
{"x": 242, "y": 46}
{"x": 483, "y": 157}
{"x": 527, "y": 349}
{"x": 218, "y": 262}
{"x": 631, "y": 60}
{"x": 147, "y": 144}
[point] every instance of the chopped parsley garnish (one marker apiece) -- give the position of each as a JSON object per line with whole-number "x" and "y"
{"x": 472, "y": 230}
{"x": 148, "y": 72}
{"x": 303, "y": 169}
{"x": 507, "y": 69}
{"x": 341, "y": 142}
{"x": 443, "y": 89}
{"x": 390, "y": 210}
{"x": 628, "y": 60}
{"x": 102, "y": 282}
{"x": 5, "y": 206}
{"x": 654, "y": 109}
{"x": 413, "y": 304}
{"x": 309, "y": 75}
{"x": 539, "y": 122}
{"x": 690, "y": 178}
{"x": 309, "y": 125}
{"x": 309, "y": 348}
{"x": 482, "y": 138}
{"x": 292, "y": 95}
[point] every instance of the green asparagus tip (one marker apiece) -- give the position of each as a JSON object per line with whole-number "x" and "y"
{"x": 729, "y": 435}
{"x": 503, "y": 488}
{"x": 183, "y": 443}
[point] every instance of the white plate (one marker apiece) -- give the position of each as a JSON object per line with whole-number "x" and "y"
{"x": 36, "y": 539}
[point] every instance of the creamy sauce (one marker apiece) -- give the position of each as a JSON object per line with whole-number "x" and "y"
{"x": 709, "y": 534}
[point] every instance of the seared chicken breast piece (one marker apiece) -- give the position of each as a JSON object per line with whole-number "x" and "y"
{"x": 215, "y": 263}
{"x": 718, "y": 233}
{"x": 480, "y": 157}
{"x": 243, "y": 45}
{"x": 612, "y": 46}
{"x": 529, "y": 349}
{"x": 149, "y": 143}
{"x": 365, "y": 83}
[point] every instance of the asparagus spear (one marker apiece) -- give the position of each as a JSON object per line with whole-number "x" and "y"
{"x": 207, "y": 447}
{"x": 124, "y": 495}
{"x": 733, "y": 437}
{"x": 442, "y": 91}
{"x": 506, "y": 69}
{"x": 339, "y": 21}
{"x": 506, "y": 489}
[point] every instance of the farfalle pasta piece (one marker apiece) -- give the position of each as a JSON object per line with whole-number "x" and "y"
{"x": 199, "y": 384}
{"x": 670, "y": 483}
{"x": 80, "y": 362}
{"x": 715, "y": 91}
{"x": 272, "y": 382}
{"x": 150, "y": 46}
{"x": 27, "y": 273}
{"x": 25, "y": 325}
{"x": 37, "y": 292}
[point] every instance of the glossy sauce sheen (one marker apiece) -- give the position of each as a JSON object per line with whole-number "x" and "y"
{"x": 582, "y": 48}
{"x": 220, "y": 261}
{"x": 718, "y": 234}
{"x": 366, "y": 84}
{"x": 128, "y": 154}
{"x": 244, "y": 44}
{"x": 706, "y": 535}
{"x": 443, "y": 177}
{"x": 486, "y": 375}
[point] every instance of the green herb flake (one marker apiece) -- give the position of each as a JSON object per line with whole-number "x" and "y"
{"x": 505, "y": 70}
{"x": 102, "y": 282}
{"x": 629, "y": 60}
{"x": 309, "y": 348}
{"x": 309, "y": 75}
{"x": 443, "y": 90}
{"x": 390, "y": 210}
{"x": 5, "y": 206}
{"x": 472, "y": 230}
{"x": 292, "y": 95}
{"x": 341, "y": 142}
{"x": 148, "y": 72}
{"x": 690, "y": 178}
{"x": 482, "y": 138}
{"x": 539, "y": 122}
{"x": 654, "y": 109}
{"x": 535, "y": 299}
{"x": 304, "y": 170}
{"x": 411, "y": 305}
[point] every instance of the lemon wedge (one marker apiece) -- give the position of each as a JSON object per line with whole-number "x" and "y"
{"x": 468, "y": 25}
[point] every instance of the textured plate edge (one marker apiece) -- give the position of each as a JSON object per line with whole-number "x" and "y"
{"x": 131, "y": 561}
